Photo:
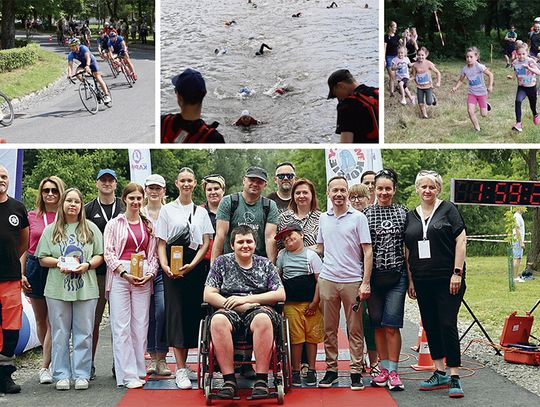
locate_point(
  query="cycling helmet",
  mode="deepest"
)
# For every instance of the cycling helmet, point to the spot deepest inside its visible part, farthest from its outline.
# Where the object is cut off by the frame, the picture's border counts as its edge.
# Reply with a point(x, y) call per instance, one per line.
point(74, 41)
point(106, 24)
point(112, 34)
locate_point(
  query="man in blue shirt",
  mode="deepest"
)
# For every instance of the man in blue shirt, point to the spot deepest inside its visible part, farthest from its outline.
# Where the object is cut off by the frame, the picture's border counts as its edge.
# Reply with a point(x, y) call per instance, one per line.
point(88, 63)
point(118, 46)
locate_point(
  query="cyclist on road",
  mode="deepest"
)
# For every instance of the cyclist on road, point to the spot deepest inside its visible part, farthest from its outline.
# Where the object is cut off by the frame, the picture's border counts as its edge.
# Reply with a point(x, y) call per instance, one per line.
point(88, 63)
point(118, 46)
point(103, 44)
point(85, 35)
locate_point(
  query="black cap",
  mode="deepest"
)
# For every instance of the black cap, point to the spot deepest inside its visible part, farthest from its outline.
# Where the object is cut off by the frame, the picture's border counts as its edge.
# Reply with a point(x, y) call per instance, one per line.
point(257, 172)
point(338, 76)
point(290, 227)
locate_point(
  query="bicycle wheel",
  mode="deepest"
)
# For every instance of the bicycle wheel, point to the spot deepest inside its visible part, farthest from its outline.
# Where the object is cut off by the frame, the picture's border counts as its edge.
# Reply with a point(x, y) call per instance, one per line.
point(7, 110)
point(127, 75)
point(88, 97)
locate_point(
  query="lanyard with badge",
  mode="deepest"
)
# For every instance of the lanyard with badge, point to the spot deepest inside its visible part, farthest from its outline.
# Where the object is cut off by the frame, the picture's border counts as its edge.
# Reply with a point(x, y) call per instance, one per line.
point(424, 251)
point(103, 210)
point(46, 221)
point(137, 244)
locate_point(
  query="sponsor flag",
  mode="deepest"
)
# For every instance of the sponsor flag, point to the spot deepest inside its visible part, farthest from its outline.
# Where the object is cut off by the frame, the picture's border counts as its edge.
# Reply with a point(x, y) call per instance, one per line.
point(140, 164)
point(12, 159)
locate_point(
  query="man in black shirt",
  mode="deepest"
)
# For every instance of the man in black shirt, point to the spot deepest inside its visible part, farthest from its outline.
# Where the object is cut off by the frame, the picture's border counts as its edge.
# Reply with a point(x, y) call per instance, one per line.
point(284, 179)
point(13, 243)
point(100, 211)
point(534, 40)
point(187, 126)
point(358, 115)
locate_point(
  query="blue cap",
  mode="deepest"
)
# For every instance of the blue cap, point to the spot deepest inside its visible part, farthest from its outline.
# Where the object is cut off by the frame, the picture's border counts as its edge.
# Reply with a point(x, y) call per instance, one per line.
point(104, 171)
point(190, 82)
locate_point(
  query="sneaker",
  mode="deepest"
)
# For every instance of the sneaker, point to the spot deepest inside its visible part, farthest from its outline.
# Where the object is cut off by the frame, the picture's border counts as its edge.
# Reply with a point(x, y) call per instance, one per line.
point(45, 376)
point(182, 379)
point(394, 381)
point(488, 107)
point(436, 381)
point(162, 369)
point(356, 381)
point(107, 99)
point(507, 66)
point(536, 120)
point(81, 384)
point(151, 368)
point(374, 370)
point(455, 388)
point(93, 373)
point(329, 379)
point(381, 379)
point(517, 127)
point(63, 384)
point(296, 379)
point(403, 101)
point(519, 280)
point(191, 374)
point(7, 385)
point(133, 384)
point(434, 101)
point(311, 378)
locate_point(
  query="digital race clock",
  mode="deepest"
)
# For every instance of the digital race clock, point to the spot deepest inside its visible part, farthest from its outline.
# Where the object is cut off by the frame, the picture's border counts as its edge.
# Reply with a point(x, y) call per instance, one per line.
point(494, 192)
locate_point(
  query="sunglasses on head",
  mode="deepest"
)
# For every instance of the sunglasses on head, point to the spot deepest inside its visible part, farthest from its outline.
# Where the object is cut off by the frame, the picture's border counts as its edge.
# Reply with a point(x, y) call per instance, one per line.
point(49, 190)
point(283, 176)
point(427, 172)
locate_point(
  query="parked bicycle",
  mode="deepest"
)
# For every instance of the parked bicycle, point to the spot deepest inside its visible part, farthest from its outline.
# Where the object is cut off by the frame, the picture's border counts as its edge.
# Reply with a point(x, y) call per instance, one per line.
point(6, 110)
point(90, 93)
point(121, 66)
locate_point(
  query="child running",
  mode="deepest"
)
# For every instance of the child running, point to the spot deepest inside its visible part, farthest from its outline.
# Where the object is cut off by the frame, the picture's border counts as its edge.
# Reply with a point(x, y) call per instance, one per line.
point(526, 70)
point(299, 268)
point(474, 71)
point(421, 71)
point(401, 64)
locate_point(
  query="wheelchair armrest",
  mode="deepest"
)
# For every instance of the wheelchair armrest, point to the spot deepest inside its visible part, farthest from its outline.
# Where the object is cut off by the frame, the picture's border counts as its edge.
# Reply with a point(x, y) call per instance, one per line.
point(207, 308)
point(279, 307)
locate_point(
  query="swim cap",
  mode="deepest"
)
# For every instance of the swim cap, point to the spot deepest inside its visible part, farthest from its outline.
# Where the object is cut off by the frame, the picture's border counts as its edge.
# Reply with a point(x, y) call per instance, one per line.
point(245, 113)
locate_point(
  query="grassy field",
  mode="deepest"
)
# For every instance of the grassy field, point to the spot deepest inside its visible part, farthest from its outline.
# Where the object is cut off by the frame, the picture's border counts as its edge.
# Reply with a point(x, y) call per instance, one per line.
point(449, 122)
point(490, 299)
point(23, 81)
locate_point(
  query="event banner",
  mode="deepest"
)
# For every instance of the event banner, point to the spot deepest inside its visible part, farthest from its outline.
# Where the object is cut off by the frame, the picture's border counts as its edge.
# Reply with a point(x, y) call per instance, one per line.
point(351, 163)
point(140, 164)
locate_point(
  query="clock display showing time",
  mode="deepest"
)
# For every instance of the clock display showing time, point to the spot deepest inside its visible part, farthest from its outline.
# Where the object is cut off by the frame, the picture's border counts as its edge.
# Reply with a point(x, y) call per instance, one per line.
point(494, 192)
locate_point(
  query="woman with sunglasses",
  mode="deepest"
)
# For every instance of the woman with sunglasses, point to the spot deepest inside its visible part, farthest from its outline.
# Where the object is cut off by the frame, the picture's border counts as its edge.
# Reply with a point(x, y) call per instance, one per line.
point(303, 209)
point(72, 248)
point(154, 188)
point(47, 201)
point(386, 302)
point(436, 241)
point(183, 290)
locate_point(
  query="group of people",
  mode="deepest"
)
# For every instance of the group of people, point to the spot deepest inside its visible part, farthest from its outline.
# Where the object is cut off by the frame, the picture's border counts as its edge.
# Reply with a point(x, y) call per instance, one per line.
point(357, 111)
point(241, 253)
point(523, 57)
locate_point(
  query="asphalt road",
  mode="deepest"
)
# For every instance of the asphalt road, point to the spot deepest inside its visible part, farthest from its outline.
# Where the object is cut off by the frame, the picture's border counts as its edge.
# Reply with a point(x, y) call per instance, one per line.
point(61, 118)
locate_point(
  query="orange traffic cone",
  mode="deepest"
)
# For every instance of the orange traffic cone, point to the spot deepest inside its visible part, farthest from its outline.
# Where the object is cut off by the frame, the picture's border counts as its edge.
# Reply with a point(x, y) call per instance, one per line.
point(425, 363)
point(420, 330)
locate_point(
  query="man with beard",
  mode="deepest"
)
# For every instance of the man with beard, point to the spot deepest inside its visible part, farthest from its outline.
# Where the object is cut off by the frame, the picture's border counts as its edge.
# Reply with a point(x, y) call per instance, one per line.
point(284, 179)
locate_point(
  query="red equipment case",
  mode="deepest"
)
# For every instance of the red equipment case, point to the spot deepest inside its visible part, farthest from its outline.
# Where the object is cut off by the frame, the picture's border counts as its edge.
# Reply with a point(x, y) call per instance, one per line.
point(515, 336)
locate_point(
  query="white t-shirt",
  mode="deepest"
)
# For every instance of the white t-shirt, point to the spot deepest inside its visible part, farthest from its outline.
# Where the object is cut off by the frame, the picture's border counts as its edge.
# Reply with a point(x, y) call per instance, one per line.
point(520, 225)
point(342, 238)
point(174, 216)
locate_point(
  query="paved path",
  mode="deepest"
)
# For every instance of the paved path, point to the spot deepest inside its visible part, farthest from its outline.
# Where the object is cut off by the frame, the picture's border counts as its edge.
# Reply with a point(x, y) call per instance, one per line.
point(61, 118)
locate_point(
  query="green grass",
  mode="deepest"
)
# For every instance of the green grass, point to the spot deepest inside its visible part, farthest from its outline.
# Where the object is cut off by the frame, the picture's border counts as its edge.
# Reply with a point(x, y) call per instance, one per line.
point(489, 297)
point(49, 67)
point(449, 122)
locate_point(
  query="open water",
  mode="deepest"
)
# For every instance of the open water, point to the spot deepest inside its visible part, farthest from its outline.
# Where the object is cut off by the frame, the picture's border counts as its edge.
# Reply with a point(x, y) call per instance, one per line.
point(305, 51)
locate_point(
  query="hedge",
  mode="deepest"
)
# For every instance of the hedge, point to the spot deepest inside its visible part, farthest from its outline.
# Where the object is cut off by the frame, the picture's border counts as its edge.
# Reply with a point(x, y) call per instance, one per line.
point(14, 58)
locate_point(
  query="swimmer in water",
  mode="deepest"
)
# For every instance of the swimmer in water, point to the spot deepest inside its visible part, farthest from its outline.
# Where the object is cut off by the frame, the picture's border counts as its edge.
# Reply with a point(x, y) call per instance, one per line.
point(261, 50)
point(246, 120)
point(229, 23)
point(219, 52)
point(297, 15)
point(334, 4)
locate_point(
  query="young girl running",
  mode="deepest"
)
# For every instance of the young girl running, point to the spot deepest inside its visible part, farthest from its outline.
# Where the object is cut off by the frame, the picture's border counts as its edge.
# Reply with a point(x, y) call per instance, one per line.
point(421, 71)
point(400, 65)
point(478, 93)
point(526, 70)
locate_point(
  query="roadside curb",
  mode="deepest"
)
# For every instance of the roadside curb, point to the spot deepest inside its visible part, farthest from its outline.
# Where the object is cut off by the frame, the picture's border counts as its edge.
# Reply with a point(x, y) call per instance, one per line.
point(53, 88)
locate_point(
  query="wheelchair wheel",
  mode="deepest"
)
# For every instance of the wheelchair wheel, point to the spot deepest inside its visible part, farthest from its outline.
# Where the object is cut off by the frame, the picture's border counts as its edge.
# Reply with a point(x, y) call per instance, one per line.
point(280, 394)
point(7, 110)
point(207, 395)
point(88, 97)
point(202, 366)
point(287, 378)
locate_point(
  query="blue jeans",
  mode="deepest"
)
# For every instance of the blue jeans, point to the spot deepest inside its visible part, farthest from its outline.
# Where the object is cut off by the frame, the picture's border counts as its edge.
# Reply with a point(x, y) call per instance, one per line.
point(386, 307)
point(156, 326)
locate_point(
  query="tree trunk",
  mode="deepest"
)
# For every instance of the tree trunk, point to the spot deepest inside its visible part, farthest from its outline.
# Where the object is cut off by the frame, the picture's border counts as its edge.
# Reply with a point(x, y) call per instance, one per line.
point(8, 24)
point(533, 258)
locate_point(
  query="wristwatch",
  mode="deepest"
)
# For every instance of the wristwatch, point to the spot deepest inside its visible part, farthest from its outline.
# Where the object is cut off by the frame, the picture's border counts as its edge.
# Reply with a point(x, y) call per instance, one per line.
point(122, 273)
point(458, 271)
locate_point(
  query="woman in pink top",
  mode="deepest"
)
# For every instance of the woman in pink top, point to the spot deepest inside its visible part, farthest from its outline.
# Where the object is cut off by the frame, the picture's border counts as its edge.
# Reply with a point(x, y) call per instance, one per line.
point(129, 296)
point(34, 276)
point(421, 71)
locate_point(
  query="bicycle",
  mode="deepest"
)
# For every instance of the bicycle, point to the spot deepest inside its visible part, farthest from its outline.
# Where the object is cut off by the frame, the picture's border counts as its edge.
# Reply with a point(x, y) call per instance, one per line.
point(90, 93)
point(105, 57)
point(124, 68)
point(6, 110)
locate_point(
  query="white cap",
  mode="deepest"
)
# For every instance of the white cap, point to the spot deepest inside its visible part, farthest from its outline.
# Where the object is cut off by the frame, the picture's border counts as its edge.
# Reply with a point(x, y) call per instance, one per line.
point(155, 179)
point(537, 20)
point(244, 113)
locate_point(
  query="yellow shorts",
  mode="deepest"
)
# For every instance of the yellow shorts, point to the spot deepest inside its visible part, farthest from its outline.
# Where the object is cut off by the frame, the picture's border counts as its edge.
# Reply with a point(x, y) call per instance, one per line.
point(303, 328)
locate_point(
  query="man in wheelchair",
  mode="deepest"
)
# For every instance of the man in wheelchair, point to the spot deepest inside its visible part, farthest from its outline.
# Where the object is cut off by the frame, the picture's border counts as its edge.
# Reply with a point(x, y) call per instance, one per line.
point(243, 287)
